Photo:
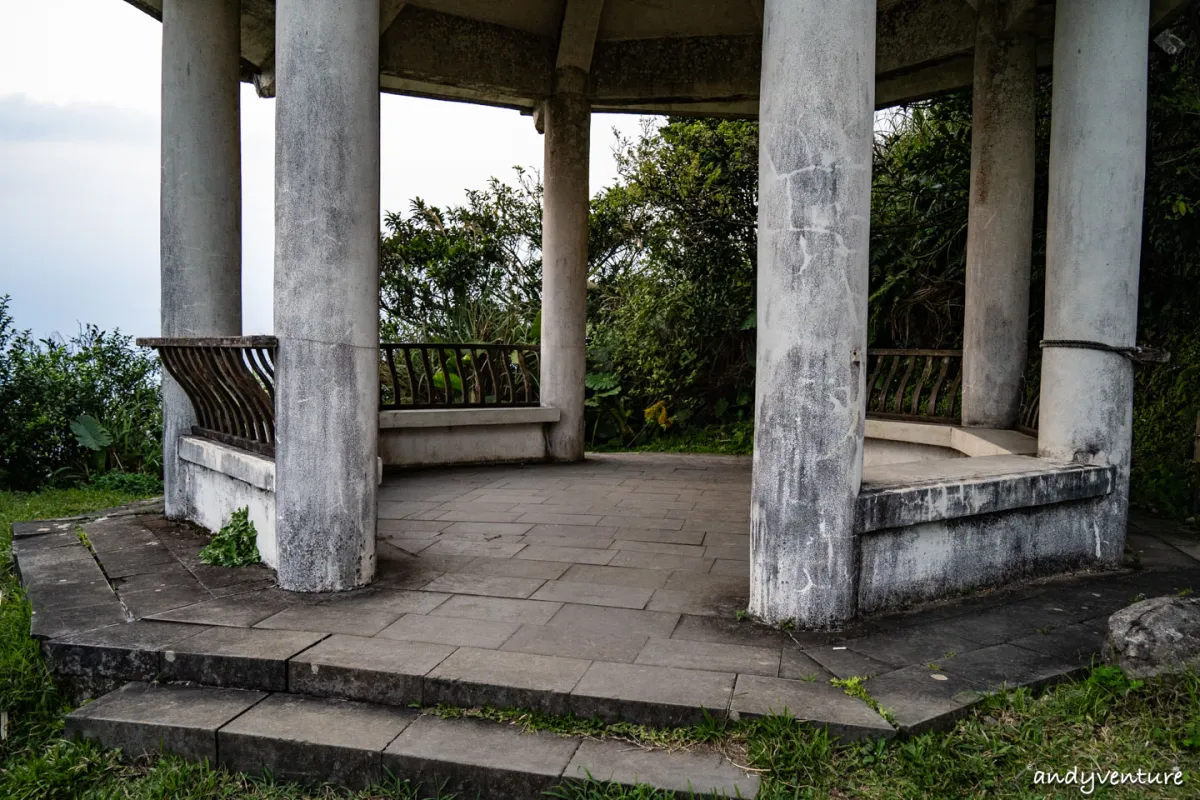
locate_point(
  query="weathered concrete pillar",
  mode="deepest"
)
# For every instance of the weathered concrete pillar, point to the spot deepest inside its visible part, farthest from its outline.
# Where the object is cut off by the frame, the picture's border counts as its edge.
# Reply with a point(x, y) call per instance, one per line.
point(567, 120)
point(1093, 242)
point(327, 291)
point(815, 117)
point(1000, 226)
point(201, 230)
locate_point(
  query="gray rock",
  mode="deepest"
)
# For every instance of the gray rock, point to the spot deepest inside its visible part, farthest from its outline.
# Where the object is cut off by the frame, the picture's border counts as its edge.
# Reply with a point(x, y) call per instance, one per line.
point(1155, 637)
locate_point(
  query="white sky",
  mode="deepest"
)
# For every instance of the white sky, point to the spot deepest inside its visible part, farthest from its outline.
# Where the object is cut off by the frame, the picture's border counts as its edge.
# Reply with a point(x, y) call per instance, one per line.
point(79, 169)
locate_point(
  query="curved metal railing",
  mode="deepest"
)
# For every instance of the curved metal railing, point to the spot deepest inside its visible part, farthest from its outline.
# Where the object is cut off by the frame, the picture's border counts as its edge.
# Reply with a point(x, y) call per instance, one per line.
point(231, 383)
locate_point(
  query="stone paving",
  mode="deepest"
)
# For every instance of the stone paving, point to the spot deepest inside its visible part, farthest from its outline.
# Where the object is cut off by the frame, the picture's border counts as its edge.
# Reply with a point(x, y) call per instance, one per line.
point(610, 588)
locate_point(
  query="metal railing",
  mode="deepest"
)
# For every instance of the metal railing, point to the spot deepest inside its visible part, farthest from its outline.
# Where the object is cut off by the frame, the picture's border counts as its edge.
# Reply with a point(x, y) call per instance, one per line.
point(231, 383)
point(923, 385)
point(458, 375)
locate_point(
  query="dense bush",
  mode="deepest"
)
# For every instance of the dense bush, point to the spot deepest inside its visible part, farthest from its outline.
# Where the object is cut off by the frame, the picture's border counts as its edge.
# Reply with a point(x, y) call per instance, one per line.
point(47, 385)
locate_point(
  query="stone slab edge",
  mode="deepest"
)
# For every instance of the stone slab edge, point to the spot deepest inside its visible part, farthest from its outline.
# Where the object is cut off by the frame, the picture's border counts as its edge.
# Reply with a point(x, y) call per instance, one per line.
point(900, 507)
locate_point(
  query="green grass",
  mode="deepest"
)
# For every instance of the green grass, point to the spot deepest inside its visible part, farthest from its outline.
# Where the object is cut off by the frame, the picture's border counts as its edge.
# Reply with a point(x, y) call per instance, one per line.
point(1100, 723)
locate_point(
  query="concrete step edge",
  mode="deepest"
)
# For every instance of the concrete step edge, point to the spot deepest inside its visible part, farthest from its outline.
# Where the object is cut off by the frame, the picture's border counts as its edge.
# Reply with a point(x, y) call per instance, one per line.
point(313, 739)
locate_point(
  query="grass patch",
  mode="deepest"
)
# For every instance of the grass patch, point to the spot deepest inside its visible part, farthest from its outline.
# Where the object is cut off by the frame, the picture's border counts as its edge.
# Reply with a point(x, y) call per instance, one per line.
point(731, 438)
point(1103, 722)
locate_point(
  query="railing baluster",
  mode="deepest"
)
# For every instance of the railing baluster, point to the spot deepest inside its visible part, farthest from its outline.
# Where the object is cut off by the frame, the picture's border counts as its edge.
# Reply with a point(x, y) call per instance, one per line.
point(886, 388)
point(920, 387)
point(909, 361)
point(412, 375)
point(931, 409)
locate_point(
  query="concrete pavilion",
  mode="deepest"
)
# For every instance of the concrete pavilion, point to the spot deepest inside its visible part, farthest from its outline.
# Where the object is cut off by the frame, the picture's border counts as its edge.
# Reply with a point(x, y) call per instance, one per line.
point(827, 543)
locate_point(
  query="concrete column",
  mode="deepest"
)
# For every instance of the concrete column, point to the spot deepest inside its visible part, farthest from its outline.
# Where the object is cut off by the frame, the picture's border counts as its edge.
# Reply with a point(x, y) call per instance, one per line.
point(1093, 242)
point(201, 197)
point(1000, 226)
point(816, 117)
point(567, 120)
point(327, 291)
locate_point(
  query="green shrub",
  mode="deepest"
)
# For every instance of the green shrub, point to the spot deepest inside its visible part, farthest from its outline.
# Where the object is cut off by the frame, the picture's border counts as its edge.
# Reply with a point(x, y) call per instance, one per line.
point(47, 386)
point(235, 545)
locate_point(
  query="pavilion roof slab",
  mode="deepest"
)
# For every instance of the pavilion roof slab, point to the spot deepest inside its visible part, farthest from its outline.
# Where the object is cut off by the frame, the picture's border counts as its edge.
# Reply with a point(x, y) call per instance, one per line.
point(699, 57)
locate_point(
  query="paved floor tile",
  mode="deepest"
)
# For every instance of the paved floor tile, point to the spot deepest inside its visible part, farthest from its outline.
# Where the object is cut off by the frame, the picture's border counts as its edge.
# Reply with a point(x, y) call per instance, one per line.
point(662, 561)
point(373, 670)
point(593, 594)
point(515, 568)
point(575, 644)
point(164, 598)
point(642, 523)
point(659, 536)
point(239, 611)
point(582, 532)
point(478, 759)
point(123, 563)
point(472, 677)
point(1001, 624)
point(795, 665)
point(709, 603)
point(731, 586)
point(488, 585)
point(488, 528)
point(459, 515)
point(816, 702)
point(921, 699)
point(361, 615)
point(738, 569)
point(691, 773)
point(454, 631)
point(548, 517)
point(616, 576)
point(614, 621)
point(143, 718)
point(576, 555)
point(521, 612)
point(658, 547)
point(1006, 665)
point(302, 738)
point(739, 541)
point(846, 663)
point(916, 645)
point(651, 695)
point(728, 553)
point(243, 658)
point(711, 656)
point(1079, 644)
point(728, 630)
point(411, 527)
point(493, 549)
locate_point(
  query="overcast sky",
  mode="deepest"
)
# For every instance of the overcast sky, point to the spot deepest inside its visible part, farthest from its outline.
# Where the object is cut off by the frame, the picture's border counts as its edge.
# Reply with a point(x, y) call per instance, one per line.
point(79, 169)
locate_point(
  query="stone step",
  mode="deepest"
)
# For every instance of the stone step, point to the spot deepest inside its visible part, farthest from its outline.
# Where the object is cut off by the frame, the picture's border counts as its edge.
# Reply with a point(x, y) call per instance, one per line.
point(319, 739)
point(404, 674)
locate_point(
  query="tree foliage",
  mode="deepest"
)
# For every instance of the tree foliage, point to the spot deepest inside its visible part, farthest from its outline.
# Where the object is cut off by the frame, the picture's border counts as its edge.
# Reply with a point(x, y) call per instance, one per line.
point(675, 325)
point(466, 273)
